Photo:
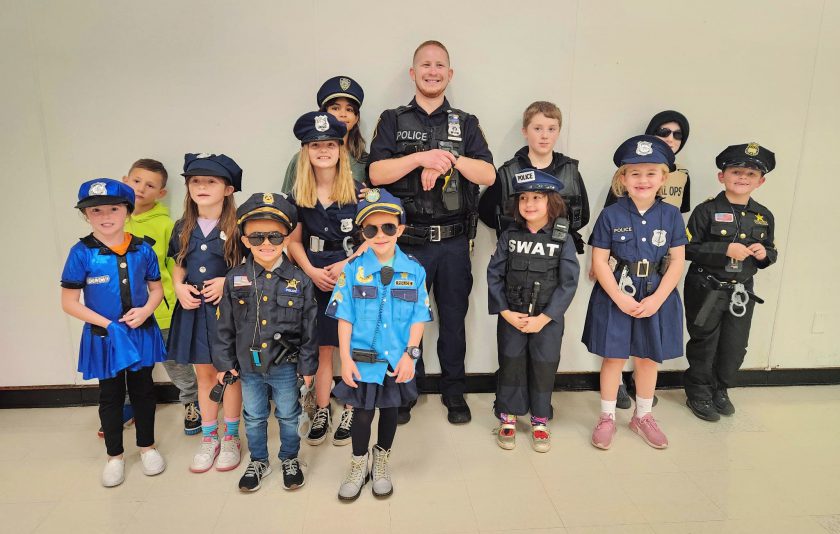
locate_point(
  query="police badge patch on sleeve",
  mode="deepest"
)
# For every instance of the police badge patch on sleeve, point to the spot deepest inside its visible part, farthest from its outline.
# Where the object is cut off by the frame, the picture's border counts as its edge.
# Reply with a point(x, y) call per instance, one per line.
point(658, 238)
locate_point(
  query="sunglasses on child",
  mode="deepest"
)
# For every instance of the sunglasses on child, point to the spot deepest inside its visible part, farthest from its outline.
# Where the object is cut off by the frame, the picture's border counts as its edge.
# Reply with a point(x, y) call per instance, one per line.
point(257, 238)
point(371, 230)
point(665, 132)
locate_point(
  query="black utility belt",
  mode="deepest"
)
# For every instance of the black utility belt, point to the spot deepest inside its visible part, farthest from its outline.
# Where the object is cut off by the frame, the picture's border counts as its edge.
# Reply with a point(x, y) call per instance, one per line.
point(639, 269)
point(433, 233)
point(261, 361)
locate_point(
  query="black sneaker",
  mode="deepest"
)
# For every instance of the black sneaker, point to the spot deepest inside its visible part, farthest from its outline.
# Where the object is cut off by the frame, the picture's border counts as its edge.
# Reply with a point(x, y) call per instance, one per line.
point(459, 411)
point(292, 474)
point(345, 423)
point(623, 399)
point(254, 473)
point(724, 406)
point(320, 426)
point(192, 419)
point(703, 409)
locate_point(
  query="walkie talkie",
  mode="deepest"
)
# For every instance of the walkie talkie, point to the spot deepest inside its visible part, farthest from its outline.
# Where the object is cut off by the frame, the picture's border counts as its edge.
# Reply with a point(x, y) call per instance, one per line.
point(218, 391)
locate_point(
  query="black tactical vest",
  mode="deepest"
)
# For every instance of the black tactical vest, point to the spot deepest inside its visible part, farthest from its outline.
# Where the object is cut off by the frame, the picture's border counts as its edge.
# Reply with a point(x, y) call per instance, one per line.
point(450, 199)
point(533, 258)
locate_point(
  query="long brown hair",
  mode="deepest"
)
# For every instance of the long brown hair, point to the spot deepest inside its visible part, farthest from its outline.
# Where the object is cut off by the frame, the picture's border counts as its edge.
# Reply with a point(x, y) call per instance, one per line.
point(227, 224)
point(356, 144)
point(556, 207)
point(306, 190)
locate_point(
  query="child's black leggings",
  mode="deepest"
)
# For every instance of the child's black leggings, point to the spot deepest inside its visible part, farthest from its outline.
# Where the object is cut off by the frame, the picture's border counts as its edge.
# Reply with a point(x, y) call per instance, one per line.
point(360, 431)
point(141, 390)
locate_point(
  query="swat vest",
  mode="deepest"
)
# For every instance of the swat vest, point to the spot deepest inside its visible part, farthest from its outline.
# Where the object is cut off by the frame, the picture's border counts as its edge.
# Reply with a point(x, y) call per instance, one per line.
point(571, 193)
point(533, 258)
point(451, 198)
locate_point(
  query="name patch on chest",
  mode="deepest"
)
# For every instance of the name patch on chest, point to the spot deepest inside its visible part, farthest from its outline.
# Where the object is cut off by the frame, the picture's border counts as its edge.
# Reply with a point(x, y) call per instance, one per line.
point(408, 283)
point(529, 247)
point(93, 280)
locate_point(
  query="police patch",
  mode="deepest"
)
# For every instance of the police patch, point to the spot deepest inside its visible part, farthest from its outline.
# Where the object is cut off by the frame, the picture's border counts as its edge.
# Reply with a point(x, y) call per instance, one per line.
point(93, 280)
point(342, 280)
point(344, 83)
point(658, 238)
point(525, 177)
point(361, 278)
point(644, 148)
point(372, 195)
point(346, 225)
point(321, 123)
point(97, 188)
point(241, 281)
point(752, 149)
point(454, 127)
point(268, 198)
point(724, 217)
point(759, 219)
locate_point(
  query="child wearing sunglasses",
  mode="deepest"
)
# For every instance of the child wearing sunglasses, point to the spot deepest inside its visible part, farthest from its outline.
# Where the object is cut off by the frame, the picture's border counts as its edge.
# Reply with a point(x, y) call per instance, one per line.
point(325, 195)
point(381, 303)
point(267, 335)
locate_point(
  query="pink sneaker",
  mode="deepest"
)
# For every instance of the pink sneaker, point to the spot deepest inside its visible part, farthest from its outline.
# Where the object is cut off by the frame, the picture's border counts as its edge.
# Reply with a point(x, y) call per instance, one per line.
point(604, 431)
point(647, 428)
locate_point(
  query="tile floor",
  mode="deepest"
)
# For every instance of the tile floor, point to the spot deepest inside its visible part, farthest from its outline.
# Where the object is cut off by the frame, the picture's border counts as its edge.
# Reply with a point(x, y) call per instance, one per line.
point(772, 468)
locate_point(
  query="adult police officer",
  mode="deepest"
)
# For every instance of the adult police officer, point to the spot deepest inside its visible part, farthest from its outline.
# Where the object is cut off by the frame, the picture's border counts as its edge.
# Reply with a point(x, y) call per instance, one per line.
point(433, 157)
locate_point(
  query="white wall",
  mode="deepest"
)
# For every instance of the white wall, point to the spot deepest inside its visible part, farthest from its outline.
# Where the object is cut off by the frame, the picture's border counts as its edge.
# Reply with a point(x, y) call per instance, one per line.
point(88, 87)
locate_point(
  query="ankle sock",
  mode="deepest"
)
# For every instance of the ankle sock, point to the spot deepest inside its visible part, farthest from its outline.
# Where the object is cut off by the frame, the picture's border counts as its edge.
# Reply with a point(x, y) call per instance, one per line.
point(232, 426)
point(507, 418)
point(539, 421)
point(608, 407)
point(643, 406)
point(210, 430)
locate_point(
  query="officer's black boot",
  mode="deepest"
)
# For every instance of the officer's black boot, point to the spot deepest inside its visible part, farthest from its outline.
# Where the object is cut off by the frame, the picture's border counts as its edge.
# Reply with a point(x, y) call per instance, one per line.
point(404, 413)
point(459, 411)
point(703, 409)
point(723, 406)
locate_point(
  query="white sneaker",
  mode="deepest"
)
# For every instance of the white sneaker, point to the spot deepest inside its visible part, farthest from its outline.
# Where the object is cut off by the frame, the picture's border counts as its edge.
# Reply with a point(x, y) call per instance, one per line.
point(153, 462)
point(114, 472)
point(382, 486)
point(230, 456)
point(206, 455)
point(355, 479)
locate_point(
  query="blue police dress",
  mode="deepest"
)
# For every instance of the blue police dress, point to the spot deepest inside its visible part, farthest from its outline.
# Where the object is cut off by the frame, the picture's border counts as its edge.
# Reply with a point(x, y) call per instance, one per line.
point(192, 332)
point(382, 317)
point(335, 227)
point(631, 237)
point(112, 285)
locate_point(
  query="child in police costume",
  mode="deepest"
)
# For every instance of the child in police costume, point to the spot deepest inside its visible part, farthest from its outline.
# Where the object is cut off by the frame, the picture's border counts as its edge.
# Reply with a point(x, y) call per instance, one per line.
point(325, 195)
point(205, 244)
point(150, 219)
point(341, 97)
point(119, 277)
point(541, 124)
point(730, 237)
point(531, 280)
point(381, 303)
point(634, 309)
point(266, 335)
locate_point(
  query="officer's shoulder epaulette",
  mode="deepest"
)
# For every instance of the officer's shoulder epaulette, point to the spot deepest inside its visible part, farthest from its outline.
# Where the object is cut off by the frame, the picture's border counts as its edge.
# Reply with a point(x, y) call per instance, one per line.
point(412, 258)
point(402, 109)
point(457, 111)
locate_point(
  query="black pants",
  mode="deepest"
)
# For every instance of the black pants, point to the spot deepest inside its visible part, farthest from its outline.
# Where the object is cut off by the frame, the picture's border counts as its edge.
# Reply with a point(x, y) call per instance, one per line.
point(141, 391)
point(717, 348)
point(449, 277)
point(527, 366)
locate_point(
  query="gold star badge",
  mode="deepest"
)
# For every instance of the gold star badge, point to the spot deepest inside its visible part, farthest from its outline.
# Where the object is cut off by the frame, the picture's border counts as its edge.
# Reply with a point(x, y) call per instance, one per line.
point(404, 275)
point(759, 219)
point(292, 284)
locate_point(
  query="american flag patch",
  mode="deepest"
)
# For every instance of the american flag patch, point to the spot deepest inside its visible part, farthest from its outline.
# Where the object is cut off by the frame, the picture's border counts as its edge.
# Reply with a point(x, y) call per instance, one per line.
point(724, 217)
point(241, 281)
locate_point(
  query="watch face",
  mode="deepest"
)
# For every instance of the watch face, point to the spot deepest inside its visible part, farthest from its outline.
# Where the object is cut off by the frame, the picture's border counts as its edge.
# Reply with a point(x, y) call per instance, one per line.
point(414, 352)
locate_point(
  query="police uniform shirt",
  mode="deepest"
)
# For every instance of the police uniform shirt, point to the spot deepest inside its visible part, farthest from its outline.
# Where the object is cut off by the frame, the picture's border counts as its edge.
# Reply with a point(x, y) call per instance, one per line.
point(716, 223)
point(381, 315)
point(333, 223)
point(287, 309)
point(205, 257)
point(568, 272)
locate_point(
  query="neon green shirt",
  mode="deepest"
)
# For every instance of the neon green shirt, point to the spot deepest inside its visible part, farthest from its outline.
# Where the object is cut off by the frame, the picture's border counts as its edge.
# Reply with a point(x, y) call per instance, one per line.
point(157, 225)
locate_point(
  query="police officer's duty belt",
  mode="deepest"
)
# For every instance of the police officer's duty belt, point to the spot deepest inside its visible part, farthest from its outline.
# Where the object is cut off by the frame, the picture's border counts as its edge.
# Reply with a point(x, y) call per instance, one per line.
point(639, 269)
point(419, 235)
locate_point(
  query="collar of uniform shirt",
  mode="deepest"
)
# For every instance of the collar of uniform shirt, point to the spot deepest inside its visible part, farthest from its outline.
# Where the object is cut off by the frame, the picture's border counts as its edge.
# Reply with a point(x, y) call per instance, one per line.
point(370, 263)
point(442, 109)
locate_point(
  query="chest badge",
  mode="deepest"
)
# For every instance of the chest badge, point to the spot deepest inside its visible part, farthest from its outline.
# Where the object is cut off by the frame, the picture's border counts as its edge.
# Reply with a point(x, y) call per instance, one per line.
point(759, 219)
point(454, 127)
point(223, 235)
point(292, 286)
point(361, 278)
point(346, 225)
point(659, 237)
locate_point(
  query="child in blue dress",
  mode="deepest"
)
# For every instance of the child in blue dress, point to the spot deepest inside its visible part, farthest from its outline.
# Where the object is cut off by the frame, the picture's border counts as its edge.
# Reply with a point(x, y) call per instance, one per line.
point(205, 244)
point(634, 309)
point(118, 275)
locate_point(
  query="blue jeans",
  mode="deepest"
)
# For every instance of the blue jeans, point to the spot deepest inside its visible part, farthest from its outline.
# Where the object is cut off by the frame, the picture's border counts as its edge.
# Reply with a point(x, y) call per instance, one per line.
point(279, 385)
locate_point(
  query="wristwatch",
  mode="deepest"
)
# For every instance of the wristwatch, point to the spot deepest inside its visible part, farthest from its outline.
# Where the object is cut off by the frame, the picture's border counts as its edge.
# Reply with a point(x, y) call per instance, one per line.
point(413, 352)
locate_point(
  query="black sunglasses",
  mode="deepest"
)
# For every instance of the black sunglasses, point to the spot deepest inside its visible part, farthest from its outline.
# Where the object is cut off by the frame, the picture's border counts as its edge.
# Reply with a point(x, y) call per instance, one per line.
point(371, 230)
point(665, 132)
point(257, 238)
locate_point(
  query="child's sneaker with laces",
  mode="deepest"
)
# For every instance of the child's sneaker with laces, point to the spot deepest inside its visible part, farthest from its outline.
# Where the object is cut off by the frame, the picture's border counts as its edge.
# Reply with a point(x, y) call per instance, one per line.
point(192, 419)
point(647, 428)
point(230, 455)
point(540, 438)
point(345, 423)
point(206, 455)
point(604, 431)
point(254, 473)
point(506, 432)
point(292, 473)
point(381, 476)
point(321, 423)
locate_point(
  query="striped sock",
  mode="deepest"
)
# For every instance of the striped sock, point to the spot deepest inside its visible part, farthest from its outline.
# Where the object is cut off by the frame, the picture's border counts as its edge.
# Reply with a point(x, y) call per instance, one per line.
point(210, 430)
point(539, 421)
point(232, 426)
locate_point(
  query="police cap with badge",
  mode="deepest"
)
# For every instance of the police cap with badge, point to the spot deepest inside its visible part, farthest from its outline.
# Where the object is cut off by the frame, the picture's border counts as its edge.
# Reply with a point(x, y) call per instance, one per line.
point(535, 180)
point(379, 201)
point(272, 206)
point(751, 155)
point(340, 87)
point(319, 126)
point(105, 191)
point(644, 149)
point(221, 166)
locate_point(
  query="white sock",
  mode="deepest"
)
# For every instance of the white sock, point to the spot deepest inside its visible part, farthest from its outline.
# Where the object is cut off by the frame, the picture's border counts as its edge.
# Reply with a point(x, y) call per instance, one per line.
point(608, 407)
point(643, 406)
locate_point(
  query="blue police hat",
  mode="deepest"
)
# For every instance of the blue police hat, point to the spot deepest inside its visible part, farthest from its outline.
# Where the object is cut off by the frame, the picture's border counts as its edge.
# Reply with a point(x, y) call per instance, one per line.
point(103, 191)
point(644, 149)
point(319, 126)
point(213, 165)
point(750, 155)
point(535, 180)
point(274, 206)
point(379, 201)
point(340, 87)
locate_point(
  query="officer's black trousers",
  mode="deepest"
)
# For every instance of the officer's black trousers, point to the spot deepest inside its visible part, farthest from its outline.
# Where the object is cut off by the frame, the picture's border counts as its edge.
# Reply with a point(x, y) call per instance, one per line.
point(449, 277)
point(716, 349)
point(527, 365)
point(141, 391)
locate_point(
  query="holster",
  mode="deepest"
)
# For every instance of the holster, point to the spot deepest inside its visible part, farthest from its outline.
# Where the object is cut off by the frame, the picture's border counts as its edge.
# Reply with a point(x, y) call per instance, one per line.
point(365, 356)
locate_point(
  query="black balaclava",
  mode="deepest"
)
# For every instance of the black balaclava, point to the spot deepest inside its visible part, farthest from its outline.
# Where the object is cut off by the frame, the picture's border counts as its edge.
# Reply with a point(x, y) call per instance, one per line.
point(669, 116)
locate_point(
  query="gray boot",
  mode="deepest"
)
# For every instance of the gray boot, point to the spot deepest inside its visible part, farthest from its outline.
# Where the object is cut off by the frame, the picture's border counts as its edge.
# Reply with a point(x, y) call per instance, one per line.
point(355, 478)
point(382, 486)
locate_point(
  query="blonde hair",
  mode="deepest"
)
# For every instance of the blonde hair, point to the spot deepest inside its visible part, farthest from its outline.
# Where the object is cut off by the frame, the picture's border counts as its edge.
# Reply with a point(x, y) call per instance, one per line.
point(305, 189)
point(618, 188)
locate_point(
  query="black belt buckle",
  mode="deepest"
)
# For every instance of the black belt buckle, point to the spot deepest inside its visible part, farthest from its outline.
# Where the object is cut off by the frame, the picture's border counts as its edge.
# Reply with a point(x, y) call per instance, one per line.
point(434, 234)
point(642, 268)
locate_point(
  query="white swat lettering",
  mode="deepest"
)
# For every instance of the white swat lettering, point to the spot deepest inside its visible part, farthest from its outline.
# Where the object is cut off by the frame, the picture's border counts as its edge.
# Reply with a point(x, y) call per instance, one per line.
point(552, 248)
point(529, 247)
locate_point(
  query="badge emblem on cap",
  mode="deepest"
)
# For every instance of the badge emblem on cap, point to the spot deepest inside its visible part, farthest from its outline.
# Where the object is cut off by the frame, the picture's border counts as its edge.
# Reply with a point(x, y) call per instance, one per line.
point(751, 150)
point(98, 188)
point(525, 177)
point(346, 225)
point(658, 237)
point(644, 148)
point(268, 198)
point(344, 83)
point(321, 123)
point(203, 155)
point(372, 195)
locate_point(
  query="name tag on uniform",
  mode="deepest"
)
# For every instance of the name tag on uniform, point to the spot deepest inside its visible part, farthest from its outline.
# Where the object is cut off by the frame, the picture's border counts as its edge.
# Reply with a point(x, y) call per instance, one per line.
point(241, 281)
point(408, 283)
point(724, 217)
point(93, 280)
